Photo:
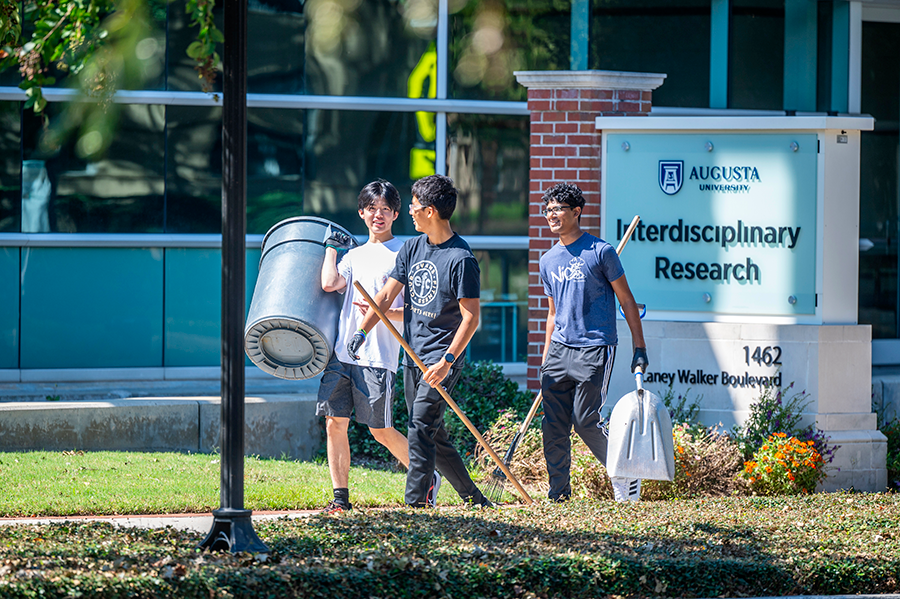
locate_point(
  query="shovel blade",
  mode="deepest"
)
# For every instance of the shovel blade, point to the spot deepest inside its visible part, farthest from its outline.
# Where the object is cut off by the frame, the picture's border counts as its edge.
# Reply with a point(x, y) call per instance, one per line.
point(640, 438)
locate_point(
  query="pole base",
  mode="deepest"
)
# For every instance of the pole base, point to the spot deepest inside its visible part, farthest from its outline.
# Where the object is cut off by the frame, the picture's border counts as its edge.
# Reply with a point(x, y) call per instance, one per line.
point(232, 530)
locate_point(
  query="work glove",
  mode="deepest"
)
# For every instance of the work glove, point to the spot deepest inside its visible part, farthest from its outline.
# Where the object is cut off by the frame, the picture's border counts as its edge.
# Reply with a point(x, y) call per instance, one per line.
point(640, 359)
point(339, 240)
point(355, 342)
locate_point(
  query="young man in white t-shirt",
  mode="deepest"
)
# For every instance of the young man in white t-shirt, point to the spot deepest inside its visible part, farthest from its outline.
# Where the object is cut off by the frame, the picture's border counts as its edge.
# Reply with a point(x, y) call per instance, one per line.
point(366, 385)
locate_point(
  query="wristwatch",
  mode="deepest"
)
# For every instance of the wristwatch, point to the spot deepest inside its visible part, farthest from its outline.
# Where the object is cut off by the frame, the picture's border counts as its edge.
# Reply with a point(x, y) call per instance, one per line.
point(450, 358)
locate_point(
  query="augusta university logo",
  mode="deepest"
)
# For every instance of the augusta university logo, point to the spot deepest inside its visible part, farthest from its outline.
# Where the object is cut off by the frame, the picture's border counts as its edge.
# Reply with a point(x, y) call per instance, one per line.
point(671, 176)
point(423, 282)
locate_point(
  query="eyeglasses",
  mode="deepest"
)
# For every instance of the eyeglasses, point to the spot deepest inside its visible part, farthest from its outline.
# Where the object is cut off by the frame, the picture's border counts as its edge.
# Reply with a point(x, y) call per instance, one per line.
point(554, 210)
point(413, 209)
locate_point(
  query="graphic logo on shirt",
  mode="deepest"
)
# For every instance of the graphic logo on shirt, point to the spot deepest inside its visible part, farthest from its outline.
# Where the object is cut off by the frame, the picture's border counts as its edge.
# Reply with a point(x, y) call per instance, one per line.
point(423, 282)
point(671, 176)
point(571, 272)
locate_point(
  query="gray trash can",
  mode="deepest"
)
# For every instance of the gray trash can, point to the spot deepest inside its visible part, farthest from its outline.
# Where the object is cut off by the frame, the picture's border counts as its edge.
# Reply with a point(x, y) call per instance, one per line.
point(292, 324)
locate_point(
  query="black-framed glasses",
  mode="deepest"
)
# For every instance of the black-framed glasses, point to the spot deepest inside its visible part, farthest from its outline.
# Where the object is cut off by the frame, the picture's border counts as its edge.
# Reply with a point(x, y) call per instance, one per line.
point(555, 210)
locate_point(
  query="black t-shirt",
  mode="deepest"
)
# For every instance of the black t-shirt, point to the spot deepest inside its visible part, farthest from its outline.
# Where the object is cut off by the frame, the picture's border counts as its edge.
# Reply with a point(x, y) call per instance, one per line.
point(436, 278)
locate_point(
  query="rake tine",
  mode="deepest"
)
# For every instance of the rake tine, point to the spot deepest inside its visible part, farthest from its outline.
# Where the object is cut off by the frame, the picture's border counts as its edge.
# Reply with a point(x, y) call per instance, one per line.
point(498, 477)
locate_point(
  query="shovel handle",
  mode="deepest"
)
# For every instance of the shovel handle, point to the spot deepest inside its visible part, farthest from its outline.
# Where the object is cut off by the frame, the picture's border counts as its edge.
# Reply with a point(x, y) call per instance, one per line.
point(628, 232)
point(453, 405)
point(639, 377)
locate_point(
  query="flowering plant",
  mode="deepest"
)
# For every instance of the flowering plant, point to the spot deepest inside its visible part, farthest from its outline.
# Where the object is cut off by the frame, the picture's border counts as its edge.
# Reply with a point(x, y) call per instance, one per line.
point(780, 411)
point(785, 466)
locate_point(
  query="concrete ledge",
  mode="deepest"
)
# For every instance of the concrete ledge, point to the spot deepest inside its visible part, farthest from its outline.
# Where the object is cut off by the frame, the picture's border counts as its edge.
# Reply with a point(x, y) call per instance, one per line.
point(275, 426)
point(859, 463)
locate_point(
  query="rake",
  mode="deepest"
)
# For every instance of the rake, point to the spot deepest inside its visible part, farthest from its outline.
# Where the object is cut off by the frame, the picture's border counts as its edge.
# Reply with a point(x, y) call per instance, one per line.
point(453, 405)
point(498, 479)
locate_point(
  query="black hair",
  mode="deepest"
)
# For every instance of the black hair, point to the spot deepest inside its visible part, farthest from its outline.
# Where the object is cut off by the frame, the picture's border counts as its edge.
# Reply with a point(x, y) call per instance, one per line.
point(438, 192)
point(379, 189)
point(564, 193)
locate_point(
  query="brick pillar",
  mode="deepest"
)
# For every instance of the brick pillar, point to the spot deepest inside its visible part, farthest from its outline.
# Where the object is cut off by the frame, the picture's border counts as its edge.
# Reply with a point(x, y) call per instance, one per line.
point(565, 147)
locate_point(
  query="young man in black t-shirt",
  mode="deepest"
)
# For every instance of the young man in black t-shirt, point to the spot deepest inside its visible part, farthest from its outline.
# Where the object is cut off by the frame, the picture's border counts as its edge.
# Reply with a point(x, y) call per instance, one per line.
point(442, 282)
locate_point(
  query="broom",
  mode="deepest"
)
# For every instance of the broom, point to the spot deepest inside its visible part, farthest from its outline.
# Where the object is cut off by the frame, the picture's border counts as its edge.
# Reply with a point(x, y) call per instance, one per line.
point(498, 479)
point(453, 405)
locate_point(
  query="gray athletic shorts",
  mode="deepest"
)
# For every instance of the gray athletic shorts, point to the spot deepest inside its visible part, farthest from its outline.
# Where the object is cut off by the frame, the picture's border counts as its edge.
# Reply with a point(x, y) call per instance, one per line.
point(365, 390)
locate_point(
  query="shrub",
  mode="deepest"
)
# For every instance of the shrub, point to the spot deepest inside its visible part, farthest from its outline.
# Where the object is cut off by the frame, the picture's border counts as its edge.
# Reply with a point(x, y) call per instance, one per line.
point(892, 432)
point(483, 393)
point(706, 464)
point(784, 466)
point(681, 409)
point(780, 412)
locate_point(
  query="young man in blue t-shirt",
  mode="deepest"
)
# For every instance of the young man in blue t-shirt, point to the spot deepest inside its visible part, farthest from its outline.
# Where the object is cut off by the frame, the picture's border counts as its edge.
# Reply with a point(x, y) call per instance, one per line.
point(582, 278)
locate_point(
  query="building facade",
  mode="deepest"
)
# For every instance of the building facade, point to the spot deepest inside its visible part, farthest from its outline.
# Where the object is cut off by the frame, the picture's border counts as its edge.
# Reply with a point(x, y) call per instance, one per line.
point(110, 268)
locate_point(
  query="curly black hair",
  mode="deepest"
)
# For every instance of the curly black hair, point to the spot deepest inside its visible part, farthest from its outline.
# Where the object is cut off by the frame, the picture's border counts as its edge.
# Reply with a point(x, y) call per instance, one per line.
point(564, 193)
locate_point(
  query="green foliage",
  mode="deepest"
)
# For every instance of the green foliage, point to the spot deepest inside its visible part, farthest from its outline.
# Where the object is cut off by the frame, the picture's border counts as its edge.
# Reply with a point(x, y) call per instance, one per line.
point(203, 49)
point(826, 544)
point(682, 409)
point(775, 411)
point(780, 411)
point(483, 393)
point(105, 45)
point(784, 466)
point(892, 432)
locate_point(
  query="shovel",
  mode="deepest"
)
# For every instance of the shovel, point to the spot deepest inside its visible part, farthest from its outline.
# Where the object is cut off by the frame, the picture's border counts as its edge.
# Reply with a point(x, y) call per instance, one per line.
point(640, 436)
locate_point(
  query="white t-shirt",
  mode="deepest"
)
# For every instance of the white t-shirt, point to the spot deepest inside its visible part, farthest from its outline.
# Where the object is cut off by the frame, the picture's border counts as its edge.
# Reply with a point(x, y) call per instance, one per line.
point(370, 264)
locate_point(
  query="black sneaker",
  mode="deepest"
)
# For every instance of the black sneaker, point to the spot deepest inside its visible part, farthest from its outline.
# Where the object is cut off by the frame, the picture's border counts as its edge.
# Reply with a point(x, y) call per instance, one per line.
point(484, 504)
point(334, 507)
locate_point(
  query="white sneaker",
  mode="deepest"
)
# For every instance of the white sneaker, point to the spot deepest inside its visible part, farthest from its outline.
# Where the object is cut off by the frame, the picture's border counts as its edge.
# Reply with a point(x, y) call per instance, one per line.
point(431, 498)
point(626, 489)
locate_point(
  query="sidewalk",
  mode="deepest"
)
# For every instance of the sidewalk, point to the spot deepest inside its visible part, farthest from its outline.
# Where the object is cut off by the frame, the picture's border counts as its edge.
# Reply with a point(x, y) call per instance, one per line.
point(197, 522)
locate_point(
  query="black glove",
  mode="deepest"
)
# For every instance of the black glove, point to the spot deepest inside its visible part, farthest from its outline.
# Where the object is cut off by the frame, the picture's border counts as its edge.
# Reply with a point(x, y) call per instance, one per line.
point(339, 240)
point(640, 359)
point(355, 342)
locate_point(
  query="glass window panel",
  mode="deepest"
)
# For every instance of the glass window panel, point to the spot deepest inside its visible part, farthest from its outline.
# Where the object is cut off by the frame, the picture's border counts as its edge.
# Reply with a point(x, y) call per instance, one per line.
point(10, 166)
point(674, 39)
point(275, 46)
point(502, 333)
point(371, 48)
point(194, 169)
point(274, 166)
point(347, 149)
point(880, 180)
point(756, 67)
point(120, 193)
point(487, 158)
point(490, 40)
point(194, 176)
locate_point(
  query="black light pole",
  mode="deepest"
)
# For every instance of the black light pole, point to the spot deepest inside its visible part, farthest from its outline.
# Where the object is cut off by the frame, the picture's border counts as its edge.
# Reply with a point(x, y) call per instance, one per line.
point(232, 527)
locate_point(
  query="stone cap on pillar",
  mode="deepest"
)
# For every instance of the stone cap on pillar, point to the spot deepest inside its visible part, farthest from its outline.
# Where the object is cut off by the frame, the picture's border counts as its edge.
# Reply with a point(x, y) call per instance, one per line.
point(611, 80)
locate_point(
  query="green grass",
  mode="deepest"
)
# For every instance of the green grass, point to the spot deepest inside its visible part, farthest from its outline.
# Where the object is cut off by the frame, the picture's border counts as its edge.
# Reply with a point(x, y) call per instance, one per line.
point(839, 543)
point(83, 483)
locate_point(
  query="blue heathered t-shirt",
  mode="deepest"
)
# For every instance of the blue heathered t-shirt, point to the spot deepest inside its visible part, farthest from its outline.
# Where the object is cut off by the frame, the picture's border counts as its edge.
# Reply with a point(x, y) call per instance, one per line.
point(577, 277)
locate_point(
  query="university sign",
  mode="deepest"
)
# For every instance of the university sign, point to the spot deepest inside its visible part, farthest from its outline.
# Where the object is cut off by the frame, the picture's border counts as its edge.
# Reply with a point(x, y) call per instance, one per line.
point(728, 220)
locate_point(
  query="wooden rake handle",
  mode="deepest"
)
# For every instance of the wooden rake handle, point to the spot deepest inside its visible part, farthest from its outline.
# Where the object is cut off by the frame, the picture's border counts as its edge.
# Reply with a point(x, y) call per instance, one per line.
point(534, 408)
point(628, 232)
point(453, 405)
